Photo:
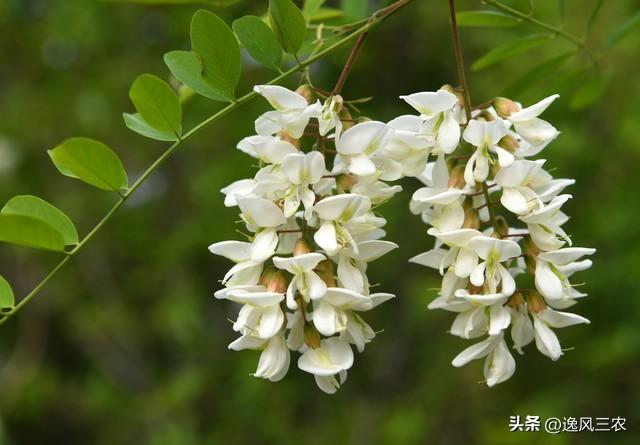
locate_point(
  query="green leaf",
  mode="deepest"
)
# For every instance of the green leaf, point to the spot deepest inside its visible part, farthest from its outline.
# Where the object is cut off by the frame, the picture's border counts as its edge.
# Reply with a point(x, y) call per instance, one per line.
point(7, 299)
point(311, 7)
point(157, 105)
point(259, 41)
point(355, 9)
point(30, 232)
point(136, 123)
point(186, 66)
point(623, 30)
point(594, 15)
point(288, 24)
point(34, 207)
point(486, 18)
point(510, 49)
point(90, 161)
point(590, 92)
point(537, 74)
point(324, 14)
point(219, 52)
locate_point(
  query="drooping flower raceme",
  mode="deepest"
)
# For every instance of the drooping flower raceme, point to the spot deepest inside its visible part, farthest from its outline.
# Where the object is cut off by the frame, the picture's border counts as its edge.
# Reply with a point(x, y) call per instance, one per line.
point(301, 276)
point(505, 273)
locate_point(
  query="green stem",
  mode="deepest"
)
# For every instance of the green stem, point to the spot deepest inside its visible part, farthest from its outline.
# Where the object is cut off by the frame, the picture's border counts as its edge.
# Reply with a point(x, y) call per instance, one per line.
point(553, 29)
point(375, 20)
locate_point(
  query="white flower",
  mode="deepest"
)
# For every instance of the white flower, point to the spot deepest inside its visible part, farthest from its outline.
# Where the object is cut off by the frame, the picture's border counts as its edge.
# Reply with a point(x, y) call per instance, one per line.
point(330, 312)
point(262, 321)
point(301, 170)
point(485, 137)
point(544, 224)
point(305, 281)
point(499, 364)
point(462, 255)
point(550, 281)
point(242, 188)
point(499, 316)
point(274, 359)
point(335, 212)
point(438, 110)
point(352, 263)
point(269, 149)
point(332, 357)
point(518, 182)
point(359, 143)
point(533, 129)
point(409, 144)
point(546, 340)
point(291, 115)
point(491, 271)
point(522, 332)
point(246, 271)
point(329, 117)
point(440, 204)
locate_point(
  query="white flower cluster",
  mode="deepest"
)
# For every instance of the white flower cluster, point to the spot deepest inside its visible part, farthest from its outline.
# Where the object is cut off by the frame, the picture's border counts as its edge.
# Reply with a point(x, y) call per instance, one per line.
point(301, 277)
point(480, 255)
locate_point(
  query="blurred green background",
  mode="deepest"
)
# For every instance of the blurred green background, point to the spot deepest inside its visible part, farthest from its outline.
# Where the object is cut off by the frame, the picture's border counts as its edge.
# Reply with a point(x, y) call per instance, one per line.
point(127, 344)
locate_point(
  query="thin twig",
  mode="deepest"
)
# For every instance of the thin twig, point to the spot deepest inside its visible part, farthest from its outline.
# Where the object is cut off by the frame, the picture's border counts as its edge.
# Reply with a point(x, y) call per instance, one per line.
point(459, 60)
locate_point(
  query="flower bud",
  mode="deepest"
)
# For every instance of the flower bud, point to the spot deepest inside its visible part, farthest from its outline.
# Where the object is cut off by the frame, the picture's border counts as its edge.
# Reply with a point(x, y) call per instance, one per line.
point(346, 181)
point(486, 116)
point(324, 269)
point(337, 103)
point(515, 300)
point(509, 143)
point(501, 225)
point(456, 177)
point(471, 217)
point(266, 275)
point(311, 336)
point(535, 302)
point(505, 107)
point(277, 282)
point(301, 247)
point(306, 92)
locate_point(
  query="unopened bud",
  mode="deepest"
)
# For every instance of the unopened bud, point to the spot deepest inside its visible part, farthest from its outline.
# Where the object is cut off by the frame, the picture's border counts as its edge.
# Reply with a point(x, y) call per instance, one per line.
point(266, 275)
point(535, 302)
point(515, 300)
point(301, 247)
point(501, 225)
point(306, 92)
point(505, 107)
point(346, 181)
point(337, 103)
point(311, 336)
point(324, 269)
point(471, 217)
point(474, 290)
point(486, 116)
point(456, 177)
point(277, 282)
point(509, 143)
